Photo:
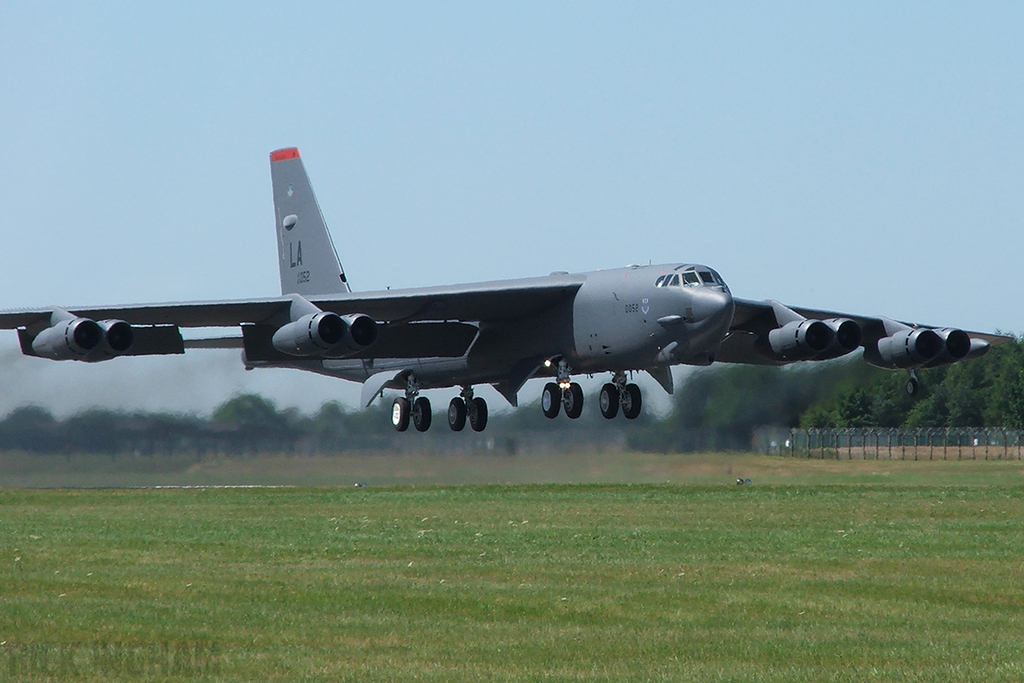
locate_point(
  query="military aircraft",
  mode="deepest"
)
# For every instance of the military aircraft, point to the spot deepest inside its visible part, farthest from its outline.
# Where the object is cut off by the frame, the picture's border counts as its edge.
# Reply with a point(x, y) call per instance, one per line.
point(620, 321)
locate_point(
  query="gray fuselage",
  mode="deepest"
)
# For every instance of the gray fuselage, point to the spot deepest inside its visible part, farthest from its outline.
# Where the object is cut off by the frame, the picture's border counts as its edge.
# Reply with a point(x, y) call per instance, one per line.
point(633, 318)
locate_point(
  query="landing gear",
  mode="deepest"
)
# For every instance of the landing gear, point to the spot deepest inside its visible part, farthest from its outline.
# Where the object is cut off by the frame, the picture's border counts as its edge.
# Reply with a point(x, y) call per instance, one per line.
point(608, 400)
point(617, 394)
point(913, 384)
point(467, 406)
point(421, 415)
point(551, 400)
point(416, 409)
point(411, 407)
point(572, 400)
point(400, 414)
point(631, 402)
point(562, 393)
point(457, 414)
point(477, 414)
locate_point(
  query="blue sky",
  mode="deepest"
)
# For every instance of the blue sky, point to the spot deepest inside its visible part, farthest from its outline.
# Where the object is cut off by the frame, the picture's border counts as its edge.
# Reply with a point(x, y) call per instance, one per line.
point(864, 157)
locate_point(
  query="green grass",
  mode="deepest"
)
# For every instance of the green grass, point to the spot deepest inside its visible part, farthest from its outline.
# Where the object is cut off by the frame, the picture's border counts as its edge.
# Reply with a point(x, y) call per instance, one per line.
point(21, 470)
point(811, 582)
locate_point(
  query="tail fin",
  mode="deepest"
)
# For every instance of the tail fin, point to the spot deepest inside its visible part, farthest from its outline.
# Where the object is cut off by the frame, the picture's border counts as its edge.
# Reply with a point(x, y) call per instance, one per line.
point(309, 263)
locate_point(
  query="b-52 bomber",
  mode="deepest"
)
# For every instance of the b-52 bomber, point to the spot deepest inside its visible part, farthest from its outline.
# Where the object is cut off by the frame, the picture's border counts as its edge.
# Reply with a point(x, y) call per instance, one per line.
point(502, 333)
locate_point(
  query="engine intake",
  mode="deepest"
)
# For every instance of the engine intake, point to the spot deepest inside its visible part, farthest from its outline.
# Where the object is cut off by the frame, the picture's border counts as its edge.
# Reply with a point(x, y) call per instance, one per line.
point(847, 338)
point(118, 336)
point(800, 339)
point(362, 329)
point(956, 345)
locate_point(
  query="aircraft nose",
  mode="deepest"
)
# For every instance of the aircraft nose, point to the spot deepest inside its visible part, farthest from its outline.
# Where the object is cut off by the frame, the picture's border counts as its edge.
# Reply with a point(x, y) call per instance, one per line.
point(710, 305)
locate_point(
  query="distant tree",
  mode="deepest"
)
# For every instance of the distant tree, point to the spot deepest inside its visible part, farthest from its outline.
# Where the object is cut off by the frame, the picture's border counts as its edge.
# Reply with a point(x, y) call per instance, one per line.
point(96, 430)
point(30, 428)
point(258, 425)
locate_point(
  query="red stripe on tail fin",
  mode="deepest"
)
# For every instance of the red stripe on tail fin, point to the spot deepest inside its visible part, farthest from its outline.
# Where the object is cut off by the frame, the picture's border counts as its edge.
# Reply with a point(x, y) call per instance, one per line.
point(284, 154)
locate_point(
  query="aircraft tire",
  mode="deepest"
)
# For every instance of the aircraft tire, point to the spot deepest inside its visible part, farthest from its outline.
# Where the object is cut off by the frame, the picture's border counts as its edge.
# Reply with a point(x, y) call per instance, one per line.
point(478, 414)
point(913, 386)
point(608, 401)
point(400, 414)
point(572, 399)
point(551, 400)
point(421, 414)
point(631, 402)
point(457, 414)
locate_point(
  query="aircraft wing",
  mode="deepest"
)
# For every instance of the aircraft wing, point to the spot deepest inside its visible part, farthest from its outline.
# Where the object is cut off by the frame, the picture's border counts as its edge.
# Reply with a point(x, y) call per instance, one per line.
point(414, 322)
point(754, 319)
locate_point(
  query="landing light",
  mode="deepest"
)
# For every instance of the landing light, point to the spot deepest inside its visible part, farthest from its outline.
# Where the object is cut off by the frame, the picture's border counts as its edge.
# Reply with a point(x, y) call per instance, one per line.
point(548, 363)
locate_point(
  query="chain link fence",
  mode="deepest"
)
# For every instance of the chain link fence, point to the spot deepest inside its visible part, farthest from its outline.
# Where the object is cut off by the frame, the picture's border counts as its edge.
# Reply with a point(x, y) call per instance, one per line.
point(900, 444)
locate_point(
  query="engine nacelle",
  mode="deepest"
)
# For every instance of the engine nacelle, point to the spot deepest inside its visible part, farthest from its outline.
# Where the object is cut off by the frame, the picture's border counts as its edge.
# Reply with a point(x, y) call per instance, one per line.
point(847, 338)
point(326, 334)
point(910, 348)
point(801, 339)
point(956, 345)
point(72, 339)
point(311, 335)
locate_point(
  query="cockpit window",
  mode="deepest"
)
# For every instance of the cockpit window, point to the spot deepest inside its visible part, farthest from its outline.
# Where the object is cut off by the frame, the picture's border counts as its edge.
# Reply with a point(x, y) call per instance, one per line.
point(691, 277)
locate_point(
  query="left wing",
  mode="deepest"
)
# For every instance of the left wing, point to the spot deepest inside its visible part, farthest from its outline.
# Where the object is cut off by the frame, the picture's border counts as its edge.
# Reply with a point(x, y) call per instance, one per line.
point(887, 343)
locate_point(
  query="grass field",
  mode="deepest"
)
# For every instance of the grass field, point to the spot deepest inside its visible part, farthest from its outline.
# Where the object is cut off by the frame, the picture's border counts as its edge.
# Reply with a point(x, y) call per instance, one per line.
point(22, 470)
point(801, 579)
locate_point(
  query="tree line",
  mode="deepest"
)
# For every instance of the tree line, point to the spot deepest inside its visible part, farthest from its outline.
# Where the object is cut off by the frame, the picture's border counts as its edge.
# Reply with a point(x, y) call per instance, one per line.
point(719, 407)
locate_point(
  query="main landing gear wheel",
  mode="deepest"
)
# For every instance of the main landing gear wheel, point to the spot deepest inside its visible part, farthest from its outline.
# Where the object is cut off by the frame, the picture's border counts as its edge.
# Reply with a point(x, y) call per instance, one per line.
point(608, 400)
point(457, 414)
point(631, 401)
point(477, 414)
point(421, 415)
point(551, 400)
point(572, 399)
point(400, 414)
point(913, 386)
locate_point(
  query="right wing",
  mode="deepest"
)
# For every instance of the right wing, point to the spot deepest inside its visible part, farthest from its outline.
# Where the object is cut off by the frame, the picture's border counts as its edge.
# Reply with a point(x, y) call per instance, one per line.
point(412, 323)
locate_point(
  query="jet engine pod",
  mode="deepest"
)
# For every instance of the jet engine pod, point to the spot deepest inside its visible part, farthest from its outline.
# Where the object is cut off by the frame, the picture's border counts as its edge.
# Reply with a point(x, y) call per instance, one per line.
point(326, 334)
point(847, 338)
point(801, 339)
point(311, 335)
point(910, 348)
point(69, 339)
point(956, 345)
